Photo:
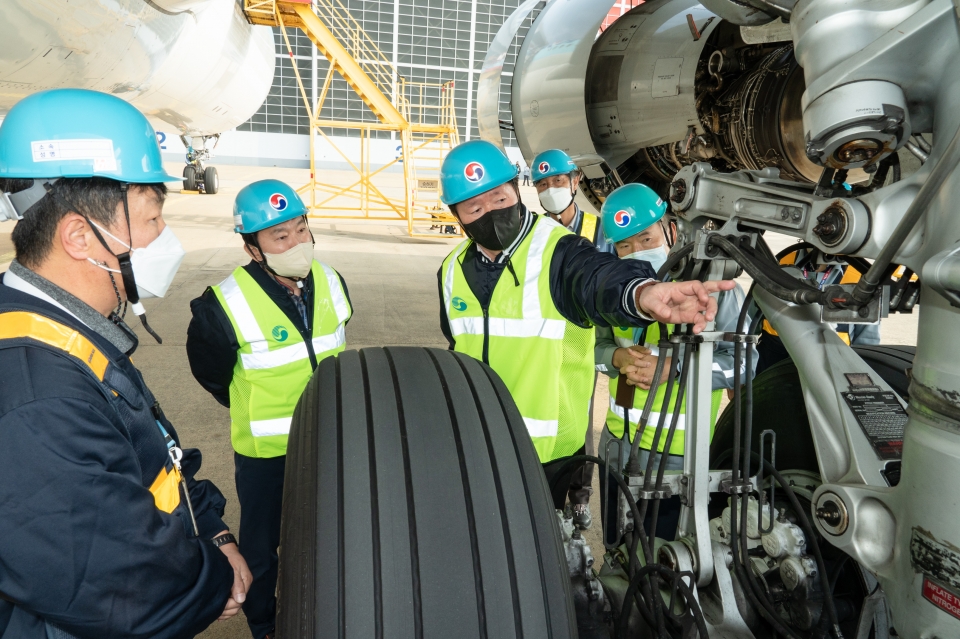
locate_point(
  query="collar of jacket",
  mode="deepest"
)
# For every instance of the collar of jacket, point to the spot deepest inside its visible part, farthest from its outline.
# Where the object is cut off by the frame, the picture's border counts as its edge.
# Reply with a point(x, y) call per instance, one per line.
point(526, 224)
point(119, 334)
point(576, 222)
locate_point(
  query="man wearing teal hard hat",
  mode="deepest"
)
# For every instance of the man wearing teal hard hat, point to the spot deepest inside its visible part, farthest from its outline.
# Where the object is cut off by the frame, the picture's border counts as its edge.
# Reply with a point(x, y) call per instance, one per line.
point(557, 179)
point(104, 530)
point(523, 294)
point(634, 221)
point(253, 343)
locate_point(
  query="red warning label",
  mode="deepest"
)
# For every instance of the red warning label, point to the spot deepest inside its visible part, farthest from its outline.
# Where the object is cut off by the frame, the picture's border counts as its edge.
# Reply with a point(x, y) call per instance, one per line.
point(941, 597)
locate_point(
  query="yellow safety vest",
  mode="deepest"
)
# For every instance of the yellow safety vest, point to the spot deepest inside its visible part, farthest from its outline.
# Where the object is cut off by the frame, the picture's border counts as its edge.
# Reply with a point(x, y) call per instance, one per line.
point(588, 228)
point(545, 361)
point(624, 339)
point(273, 365)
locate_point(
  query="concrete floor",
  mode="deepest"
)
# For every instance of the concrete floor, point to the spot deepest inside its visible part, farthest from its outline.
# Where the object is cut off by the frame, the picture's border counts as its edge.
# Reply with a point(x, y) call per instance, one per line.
point(392, 282)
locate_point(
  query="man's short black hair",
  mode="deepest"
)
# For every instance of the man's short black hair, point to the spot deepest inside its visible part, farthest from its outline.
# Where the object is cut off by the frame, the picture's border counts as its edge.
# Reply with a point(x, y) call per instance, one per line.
point(96, 198)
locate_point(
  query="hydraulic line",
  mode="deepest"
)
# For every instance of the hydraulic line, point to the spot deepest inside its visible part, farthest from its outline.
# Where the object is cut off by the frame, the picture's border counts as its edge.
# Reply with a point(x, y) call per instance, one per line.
point(658, 486)
point(757, 599)
point(638, 528)
point(666, 348)
point(775, 281)
point(678, 583)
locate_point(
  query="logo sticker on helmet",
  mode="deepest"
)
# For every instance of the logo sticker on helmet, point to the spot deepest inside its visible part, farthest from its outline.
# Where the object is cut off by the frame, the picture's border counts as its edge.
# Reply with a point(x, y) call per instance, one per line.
point(621, 218)
point(458, 304)
point(473, 172)
point(543, 167)
point(278, 202)
point(280, 333)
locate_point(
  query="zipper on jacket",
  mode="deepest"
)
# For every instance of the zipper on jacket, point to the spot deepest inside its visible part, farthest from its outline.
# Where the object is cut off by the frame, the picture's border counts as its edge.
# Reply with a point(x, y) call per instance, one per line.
point(308, 340)
point(486, 336)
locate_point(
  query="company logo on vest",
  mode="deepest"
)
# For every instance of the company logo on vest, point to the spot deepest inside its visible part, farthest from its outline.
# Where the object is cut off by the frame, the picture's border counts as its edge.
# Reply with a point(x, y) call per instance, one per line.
point(280, 333)
point(459, 304)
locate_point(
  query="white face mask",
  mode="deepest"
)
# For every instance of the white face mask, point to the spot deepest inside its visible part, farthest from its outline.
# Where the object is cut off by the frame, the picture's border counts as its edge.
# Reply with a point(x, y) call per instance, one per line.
point(294, 262)
point(154, 265)
point(556, 200)
point(656, 256)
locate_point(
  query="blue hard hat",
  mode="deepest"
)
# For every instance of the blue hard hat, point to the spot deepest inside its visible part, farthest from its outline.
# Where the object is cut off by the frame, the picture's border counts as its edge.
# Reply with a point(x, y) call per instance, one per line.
point(266, 203)
point(552, 162)
point(630, 209)
point(75, 133)
point(473, 168)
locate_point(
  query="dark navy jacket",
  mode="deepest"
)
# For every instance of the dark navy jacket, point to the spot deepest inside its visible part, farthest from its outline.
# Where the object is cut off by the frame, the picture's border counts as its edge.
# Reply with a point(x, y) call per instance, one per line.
point(84, 549)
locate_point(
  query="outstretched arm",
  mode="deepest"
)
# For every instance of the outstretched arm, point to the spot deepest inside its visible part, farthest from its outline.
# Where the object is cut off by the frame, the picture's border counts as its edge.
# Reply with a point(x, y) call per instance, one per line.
point(593, 288)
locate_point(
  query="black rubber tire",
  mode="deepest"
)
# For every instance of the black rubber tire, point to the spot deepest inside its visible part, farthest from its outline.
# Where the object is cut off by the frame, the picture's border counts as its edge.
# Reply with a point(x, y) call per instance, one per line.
point(211, 181)
point(415, 506)
point(189, 178)
point(778, 405)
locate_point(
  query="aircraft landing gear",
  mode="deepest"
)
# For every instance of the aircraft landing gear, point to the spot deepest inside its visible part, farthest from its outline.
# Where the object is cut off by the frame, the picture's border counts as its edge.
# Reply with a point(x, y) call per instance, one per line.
point(196, 177)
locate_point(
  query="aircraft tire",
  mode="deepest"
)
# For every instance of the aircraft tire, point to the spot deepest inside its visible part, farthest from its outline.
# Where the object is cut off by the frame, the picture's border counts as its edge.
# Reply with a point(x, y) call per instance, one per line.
point(211, 181)
point(189, 178)
point(415, 506)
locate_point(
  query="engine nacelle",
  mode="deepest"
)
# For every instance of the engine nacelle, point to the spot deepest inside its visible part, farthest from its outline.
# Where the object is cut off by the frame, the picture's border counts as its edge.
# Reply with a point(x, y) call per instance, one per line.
point(668, 84)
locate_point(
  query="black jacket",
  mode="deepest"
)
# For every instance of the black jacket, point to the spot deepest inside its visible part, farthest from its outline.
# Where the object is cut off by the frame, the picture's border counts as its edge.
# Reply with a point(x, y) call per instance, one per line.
point(212, 343)
point(83, 546)
point(589, 288)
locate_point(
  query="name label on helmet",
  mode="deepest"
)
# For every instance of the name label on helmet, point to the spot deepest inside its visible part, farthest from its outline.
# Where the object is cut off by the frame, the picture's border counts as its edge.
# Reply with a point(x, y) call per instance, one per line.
point(99, 151)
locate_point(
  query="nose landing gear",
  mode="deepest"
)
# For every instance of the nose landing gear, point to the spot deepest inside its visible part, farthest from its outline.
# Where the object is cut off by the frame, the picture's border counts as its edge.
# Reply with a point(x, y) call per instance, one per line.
point(196, 177)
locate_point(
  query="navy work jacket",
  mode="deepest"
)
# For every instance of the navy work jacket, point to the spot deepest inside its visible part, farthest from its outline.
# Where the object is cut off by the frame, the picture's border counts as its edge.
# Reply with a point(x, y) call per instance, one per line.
point(85, 549)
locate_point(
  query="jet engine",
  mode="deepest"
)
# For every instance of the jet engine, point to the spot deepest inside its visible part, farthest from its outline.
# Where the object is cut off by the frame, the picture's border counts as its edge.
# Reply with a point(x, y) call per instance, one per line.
point(668, 84)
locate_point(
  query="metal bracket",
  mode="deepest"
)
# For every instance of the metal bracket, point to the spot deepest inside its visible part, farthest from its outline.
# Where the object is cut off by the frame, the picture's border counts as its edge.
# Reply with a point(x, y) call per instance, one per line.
point(743, 339)
point(728, 486)
point(878, 308)
point(666, 493)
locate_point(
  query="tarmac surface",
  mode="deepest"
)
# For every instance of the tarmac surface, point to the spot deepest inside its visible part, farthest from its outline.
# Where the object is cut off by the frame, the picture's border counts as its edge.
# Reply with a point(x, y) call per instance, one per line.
point(392, 284)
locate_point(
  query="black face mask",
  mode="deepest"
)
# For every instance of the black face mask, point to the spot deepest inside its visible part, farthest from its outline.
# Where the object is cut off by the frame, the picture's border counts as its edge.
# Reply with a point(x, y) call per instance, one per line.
point(497, 229)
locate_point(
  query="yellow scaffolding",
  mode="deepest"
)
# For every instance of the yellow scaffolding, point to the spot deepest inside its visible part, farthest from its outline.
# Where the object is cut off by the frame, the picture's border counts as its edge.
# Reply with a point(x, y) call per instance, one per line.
point(422, 116)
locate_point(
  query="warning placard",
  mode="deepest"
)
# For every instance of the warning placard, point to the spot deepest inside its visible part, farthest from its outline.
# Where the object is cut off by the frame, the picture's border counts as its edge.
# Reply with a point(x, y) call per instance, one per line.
point(941, 597)
point(882, 419)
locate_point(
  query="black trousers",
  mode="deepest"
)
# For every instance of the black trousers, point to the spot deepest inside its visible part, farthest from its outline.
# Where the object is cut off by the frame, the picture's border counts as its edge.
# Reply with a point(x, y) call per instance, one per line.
point(573, 482)
point(260, 492)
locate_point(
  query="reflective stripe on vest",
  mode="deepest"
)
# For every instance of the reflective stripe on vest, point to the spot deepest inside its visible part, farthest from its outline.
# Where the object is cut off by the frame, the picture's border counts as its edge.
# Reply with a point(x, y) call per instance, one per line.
point(615, 414)
point(274, 366)
point(545, 361)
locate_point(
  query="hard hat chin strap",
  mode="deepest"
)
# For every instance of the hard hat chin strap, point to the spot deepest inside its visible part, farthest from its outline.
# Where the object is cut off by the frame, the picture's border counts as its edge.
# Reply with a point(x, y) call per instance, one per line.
point(126, 267)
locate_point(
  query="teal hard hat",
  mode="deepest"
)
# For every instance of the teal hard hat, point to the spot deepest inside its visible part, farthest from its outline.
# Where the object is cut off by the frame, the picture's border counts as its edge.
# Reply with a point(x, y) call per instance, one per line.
point(76, 133)
point(550, 163)
point(473, 168)
point(629, 210)
point(265, 203)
